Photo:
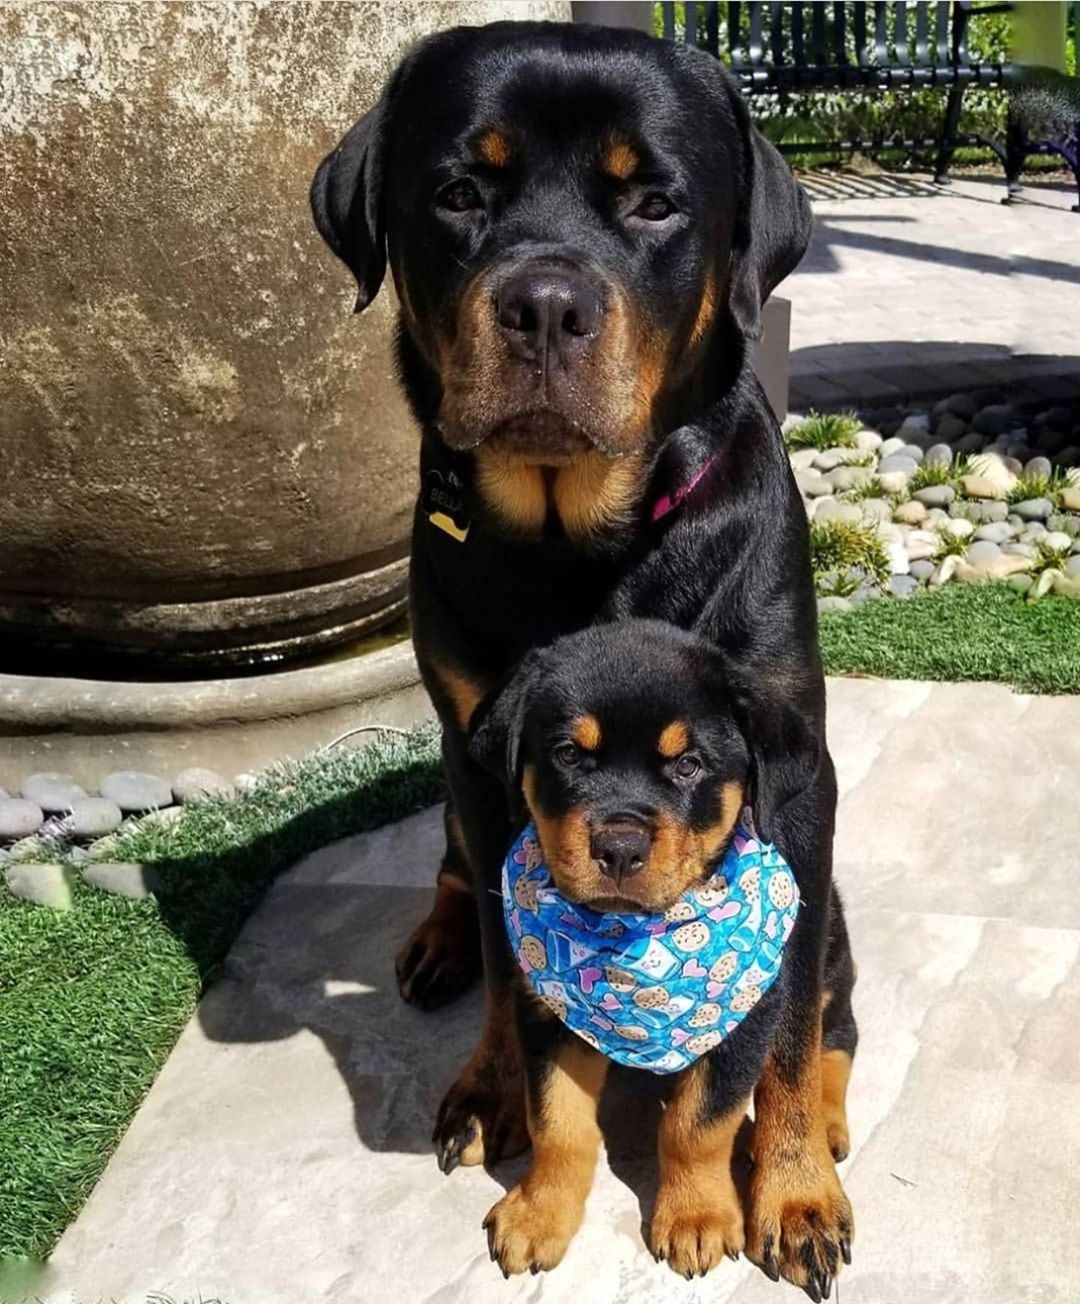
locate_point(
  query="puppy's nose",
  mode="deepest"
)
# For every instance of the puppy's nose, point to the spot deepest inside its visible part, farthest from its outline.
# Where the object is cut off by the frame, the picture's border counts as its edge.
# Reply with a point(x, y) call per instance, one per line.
point(621, 849)
point(542, 312)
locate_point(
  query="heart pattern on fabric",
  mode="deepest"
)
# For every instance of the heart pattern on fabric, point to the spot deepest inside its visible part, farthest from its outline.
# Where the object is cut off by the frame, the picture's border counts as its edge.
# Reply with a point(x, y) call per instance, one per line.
point(654, 991)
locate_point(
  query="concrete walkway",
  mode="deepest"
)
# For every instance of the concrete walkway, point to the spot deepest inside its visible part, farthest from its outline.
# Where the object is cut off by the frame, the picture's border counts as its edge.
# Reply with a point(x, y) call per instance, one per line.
point(910, 288)
point(283, 1156)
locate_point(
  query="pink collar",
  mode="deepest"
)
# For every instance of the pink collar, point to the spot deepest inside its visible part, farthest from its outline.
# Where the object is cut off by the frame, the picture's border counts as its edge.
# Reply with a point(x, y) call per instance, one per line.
point(678, 496)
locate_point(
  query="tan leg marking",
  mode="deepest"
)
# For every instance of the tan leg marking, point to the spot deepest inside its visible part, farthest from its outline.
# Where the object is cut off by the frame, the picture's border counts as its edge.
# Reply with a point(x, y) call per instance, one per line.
point(697, 1219)
point(531, 1227)
point(800, 1223)
point(835, 1072)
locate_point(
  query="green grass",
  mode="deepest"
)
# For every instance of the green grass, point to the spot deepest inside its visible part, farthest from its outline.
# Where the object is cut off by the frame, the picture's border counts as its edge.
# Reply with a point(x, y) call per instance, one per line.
point(93, 998)
point(960, 632)
point(823, 430)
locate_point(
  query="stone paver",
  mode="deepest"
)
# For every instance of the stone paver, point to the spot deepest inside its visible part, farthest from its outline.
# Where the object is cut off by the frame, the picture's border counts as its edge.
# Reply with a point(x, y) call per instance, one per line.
point(284, 1152)
point(910, 288)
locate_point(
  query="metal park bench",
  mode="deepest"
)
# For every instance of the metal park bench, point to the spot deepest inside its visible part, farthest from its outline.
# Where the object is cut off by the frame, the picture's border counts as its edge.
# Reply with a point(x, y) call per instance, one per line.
point(777, 49)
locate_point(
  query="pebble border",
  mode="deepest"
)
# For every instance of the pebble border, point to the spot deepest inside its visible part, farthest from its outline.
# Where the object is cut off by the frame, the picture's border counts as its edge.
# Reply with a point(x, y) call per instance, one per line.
point(971, 528)
point(54, 817)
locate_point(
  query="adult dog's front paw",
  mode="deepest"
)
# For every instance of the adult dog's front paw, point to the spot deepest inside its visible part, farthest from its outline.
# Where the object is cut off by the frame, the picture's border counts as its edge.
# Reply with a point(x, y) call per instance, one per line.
point(694, 1228)
point(482, 1117)
point(800, 1225)
point(531, 1229)
point(441, 956)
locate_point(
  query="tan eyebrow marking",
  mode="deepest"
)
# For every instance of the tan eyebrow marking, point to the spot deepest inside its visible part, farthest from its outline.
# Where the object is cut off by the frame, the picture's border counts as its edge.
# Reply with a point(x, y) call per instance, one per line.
point(619, 159)
point(494, 148)
point(706, 312)
point(674, 739)
point(585, 731)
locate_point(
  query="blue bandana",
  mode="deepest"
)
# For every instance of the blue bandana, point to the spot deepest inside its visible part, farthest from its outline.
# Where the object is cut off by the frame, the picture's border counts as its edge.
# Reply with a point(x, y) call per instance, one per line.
point(654, 991)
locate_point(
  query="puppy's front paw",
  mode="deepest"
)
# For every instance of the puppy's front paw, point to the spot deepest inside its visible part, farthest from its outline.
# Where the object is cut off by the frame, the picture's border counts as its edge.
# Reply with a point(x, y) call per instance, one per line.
point(531, 1229)
point(800, 1225)
point(693, 1228)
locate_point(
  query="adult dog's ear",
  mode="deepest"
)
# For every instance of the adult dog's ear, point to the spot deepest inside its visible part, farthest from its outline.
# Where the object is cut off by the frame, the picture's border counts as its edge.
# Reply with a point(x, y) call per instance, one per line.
point(347, 201)
point(772, 227)
point(495, 738)
point(785, 757)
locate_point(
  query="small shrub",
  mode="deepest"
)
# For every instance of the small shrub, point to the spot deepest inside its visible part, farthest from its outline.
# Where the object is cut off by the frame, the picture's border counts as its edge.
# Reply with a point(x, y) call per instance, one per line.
point(823, 430)
point(933, 474)
point(1035, 486)
point(1047, 559)
point(951, 545)
point(837, 546)
point(872, 489)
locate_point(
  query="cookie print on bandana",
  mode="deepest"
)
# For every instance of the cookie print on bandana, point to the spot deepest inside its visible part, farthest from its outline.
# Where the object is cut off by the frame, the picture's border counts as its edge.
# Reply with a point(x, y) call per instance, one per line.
point(654, 991)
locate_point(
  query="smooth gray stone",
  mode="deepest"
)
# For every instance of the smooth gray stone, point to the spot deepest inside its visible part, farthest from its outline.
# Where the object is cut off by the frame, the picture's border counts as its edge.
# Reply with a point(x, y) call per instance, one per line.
point(92, 817)
point(133, 791)
point(935, 495)
point(982, 550)
point(45, 884)
point(832, 603)
point(903, 586)
point(898, 462)
point(938, 455)
point(194, 784)
point(52, 791)
point(19, 818)
point(1039, 466)
point(123, 878)
point(922, 569)
point(1033, 509)
point(995, 532)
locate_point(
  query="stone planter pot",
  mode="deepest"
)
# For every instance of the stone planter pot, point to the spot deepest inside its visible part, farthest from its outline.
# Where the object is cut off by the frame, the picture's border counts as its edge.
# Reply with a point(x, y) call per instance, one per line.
point(204, 459)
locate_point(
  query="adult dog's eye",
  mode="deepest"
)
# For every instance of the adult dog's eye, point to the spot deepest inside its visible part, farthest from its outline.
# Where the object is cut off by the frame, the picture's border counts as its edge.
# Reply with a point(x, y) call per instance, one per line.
point(460, 197)
point(654, 207)
point(567, 755)
point(686, 767)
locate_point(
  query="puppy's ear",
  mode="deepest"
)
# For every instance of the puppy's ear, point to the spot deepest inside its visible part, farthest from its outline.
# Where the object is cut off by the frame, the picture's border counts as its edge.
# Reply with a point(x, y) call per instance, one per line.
point(347, 201)
point(772, 227)
point(785, 757)
point(495, 738)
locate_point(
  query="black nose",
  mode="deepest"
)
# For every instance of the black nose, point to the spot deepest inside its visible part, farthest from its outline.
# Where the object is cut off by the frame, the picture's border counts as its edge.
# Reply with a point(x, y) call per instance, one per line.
point(621, 849)
point(541, 312)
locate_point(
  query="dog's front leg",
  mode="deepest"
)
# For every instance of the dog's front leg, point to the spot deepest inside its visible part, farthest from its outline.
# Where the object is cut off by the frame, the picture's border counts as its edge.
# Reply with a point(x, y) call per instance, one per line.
point(482, 1116)
point(800, 1224)
point(531, 1227)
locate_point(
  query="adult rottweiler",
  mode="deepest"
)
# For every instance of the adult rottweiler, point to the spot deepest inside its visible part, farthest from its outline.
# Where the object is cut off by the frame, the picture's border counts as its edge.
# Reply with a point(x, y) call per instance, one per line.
point(582, 225)
point(636, 752)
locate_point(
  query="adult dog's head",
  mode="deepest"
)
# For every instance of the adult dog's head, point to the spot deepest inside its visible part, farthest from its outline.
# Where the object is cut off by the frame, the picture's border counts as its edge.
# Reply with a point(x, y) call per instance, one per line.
point(581, 223)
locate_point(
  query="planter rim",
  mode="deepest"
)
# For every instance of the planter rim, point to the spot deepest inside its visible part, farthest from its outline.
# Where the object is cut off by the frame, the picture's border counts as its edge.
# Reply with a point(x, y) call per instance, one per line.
point(29, 704)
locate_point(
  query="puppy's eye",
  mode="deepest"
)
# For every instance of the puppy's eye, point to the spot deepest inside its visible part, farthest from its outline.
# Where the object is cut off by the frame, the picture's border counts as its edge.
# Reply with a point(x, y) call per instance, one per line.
point(686, 767)
point(566, 755)
point(654, 207)
point(460, 197)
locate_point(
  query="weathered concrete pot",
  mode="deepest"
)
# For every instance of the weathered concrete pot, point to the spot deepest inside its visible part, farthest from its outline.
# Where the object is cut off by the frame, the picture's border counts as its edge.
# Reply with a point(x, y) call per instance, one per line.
point(204, 458)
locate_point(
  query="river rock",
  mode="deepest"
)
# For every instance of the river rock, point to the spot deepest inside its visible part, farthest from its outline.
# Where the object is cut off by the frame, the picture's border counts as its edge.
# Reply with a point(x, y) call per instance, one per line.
point(134, 792)
point(910, 513)
point(1033, 509)
point(51, 791)
point(935, 495)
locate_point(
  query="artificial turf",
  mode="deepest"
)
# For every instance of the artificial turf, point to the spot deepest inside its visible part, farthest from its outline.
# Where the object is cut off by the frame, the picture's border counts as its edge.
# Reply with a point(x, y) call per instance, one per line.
point(961, 631)
point(93, 998)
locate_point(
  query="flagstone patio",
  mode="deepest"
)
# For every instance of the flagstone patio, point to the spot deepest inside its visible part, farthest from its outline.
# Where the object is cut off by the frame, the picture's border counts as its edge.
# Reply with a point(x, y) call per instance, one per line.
point(283, 1154)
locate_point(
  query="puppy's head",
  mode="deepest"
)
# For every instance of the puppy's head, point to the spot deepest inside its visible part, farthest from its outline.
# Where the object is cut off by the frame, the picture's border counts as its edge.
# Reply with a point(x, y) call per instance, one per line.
point(581, 224)
point(634, 758)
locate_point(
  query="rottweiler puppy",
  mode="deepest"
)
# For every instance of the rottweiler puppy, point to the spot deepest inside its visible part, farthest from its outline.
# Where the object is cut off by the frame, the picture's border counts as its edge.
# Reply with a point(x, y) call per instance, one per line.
point(633, 749)
point(582, 225)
